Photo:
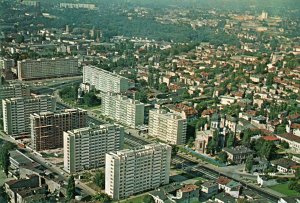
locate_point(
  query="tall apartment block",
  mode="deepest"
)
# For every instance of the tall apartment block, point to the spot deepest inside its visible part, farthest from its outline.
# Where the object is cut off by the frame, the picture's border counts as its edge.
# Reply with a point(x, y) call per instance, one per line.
point(128, 172)
point(47, 127)
point(168, 127)
point(16, 112)
point(76, 5)
point(47, 68)
point(11, 91)
point(85, 148)
point(122, 109)
point(105, 81)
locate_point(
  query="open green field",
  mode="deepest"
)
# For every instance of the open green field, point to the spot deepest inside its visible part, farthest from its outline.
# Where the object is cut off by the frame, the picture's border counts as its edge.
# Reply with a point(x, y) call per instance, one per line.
point(138, 199)
point(283, 189)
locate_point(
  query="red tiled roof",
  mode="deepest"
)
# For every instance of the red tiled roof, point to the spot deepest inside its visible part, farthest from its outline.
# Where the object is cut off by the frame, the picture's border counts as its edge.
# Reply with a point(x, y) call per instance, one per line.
point(189, 188)
point(223, 180)
point(270, 138)
point(295, 126)
point(294, 116)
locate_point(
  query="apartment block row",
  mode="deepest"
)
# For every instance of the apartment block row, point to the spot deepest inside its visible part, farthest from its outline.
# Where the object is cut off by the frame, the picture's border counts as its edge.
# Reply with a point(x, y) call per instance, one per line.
point(122, 109)
point(105, 81)
point(85, 148)
point(47, 68)
point(16, 112)
point(128, 172)
point(13, 90)
point(168, 127)
point(77, 5)
point(47, 127)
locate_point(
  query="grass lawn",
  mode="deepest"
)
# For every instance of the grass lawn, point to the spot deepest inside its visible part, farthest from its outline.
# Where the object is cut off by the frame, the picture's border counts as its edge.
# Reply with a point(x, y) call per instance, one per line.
point(2, 177)
point(138, 199)
point(283, 189)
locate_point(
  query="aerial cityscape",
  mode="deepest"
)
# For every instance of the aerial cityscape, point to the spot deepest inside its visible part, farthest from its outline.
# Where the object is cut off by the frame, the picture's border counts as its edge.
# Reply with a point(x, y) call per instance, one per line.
point(150, 101)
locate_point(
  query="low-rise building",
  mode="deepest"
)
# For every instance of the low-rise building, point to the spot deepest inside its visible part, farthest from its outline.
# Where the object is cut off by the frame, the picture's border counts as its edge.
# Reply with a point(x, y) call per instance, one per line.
point(264, 180)
point(292, 140)
point(24, 189)
point(209, 189)
point(285, 166)
point(238, 154)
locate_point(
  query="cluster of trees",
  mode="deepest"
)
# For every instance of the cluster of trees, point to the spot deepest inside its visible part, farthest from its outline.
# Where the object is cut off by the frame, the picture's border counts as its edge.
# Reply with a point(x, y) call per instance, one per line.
point(294, 184)
point(99, 179)
point(71, 188)
point(70, 94)
point(5, 147)
point(90, 99)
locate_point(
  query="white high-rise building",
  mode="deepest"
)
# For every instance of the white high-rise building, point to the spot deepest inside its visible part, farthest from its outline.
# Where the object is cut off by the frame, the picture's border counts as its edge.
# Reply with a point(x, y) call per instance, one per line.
point(11, 91)
point(105, 81)
point(168, 127)
point(123, 109)
point(47, 68)
point(128, 172)
point(16, 112)
point(85, 148)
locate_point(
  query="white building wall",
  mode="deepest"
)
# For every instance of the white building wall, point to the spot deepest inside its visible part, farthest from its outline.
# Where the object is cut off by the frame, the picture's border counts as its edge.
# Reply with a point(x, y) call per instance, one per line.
point(128, 172)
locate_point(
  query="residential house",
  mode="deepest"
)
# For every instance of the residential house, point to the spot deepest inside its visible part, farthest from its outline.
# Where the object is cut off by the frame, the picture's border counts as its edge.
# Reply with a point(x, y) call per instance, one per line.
point(289, 200)
point(202, 139)
point(292, 140)
point(285, 166)
point(264, 180)
point(209, 189)
point(18, 190)
point(224, 198)
point(238, 154)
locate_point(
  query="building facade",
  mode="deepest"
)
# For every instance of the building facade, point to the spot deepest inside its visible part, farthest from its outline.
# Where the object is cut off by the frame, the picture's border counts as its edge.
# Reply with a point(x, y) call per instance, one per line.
point(85, 148)
point(47, 68)
point(16, 112)
point(77, 6)
point(168, 127)
point(122, 109)
point(128, 172)
point(47, 127)
point(105, 81)
point(11, 91)
point(6, 63)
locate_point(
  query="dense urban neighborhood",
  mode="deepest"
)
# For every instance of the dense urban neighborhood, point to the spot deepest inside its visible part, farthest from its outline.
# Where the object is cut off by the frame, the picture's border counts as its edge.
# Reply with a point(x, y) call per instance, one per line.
point(158, 101)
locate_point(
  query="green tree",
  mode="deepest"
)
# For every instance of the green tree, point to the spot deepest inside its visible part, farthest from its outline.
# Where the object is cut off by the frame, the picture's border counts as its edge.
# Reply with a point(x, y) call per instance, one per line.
point(249, 163)
point(270, 79)
point(71, 188)
point(213, 145)
point(163, 87)
point(223, 156)
point(174, 150)
point(148, 199)
point(5, 160)
point(90, 99)
point(297, 174)
point(102, 197)
point(99, 179)
point(230, 140)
